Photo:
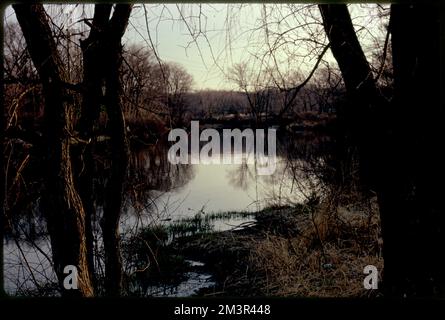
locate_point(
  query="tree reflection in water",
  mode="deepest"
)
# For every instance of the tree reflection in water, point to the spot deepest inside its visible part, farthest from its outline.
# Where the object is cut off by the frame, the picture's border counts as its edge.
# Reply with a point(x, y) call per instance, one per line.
point(156, 191)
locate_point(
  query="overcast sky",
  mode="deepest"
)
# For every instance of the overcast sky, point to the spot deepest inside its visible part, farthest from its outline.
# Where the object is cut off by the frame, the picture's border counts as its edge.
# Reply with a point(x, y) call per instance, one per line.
point(208, 39)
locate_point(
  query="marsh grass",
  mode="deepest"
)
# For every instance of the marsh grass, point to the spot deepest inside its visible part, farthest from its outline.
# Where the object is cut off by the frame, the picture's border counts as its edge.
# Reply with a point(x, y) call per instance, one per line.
point(202, 223)
point(151, 258)
point(303, 251)
point(306, 250)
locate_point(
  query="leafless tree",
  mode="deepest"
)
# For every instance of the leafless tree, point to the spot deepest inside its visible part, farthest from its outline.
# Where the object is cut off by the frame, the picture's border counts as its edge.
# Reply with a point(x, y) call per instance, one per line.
point(67, 211)
point(396, 163)
point(179, 83)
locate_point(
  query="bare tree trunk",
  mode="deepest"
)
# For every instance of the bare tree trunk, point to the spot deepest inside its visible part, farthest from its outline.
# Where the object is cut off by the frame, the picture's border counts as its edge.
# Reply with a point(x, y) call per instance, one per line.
point(402, 164)
point(119, 150)
point(94, 66)
point(102, 56)
point(61, 203)
point(361, 114)
point(411, 202)
point(93, 78)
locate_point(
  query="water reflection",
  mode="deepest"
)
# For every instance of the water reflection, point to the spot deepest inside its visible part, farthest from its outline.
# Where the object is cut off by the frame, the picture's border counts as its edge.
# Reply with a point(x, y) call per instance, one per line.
point(150, 177)
point(209, 188)
point(158, 192)
point(161, 190)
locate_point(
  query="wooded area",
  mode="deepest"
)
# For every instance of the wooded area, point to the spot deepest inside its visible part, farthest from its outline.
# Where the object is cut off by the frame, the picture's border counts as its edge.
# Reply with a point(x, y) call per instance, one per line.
point(100, 89)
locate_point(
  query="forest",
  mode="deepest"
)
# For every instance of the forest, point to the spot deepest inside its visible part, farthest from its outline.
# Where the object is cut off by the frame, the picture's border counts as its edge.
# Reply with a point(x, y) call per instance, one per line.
point(92, 91)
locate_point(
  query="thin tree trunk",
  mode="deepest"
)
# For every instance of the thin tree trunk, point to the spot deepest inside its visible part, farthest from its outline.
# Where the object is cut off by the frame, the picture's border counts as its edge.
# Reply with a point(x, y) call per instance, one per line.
point(93, 78)
point(94, 66)
point(102, 57)
point(119, 150)
point(61, 203)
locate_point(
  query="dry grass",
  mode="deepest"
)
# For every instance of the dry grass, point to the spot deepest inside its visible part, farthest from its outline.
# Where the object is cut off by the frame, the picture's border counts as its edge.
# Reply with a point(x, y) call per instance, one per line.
point(303, 251)
point(325, 260)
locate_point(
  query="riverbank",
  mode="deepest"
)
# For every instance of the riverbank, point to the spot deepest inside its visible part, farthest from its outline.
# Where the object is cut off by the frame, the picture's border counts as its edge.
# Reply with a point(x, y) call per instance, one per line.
point(303, 251)
point(145, 132)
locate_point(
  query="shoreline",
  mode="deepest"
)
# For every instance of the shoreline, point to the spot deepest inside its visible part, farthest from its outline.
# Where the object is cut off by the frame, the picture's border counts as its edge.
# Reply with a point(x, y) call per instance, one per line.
point(289, 251)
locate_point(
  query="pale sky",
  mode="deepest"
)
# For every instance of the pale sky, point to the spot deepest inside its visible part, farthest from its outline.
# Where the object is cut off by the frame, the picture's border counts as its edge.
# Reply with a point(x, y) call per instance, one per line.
point(230, 34)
